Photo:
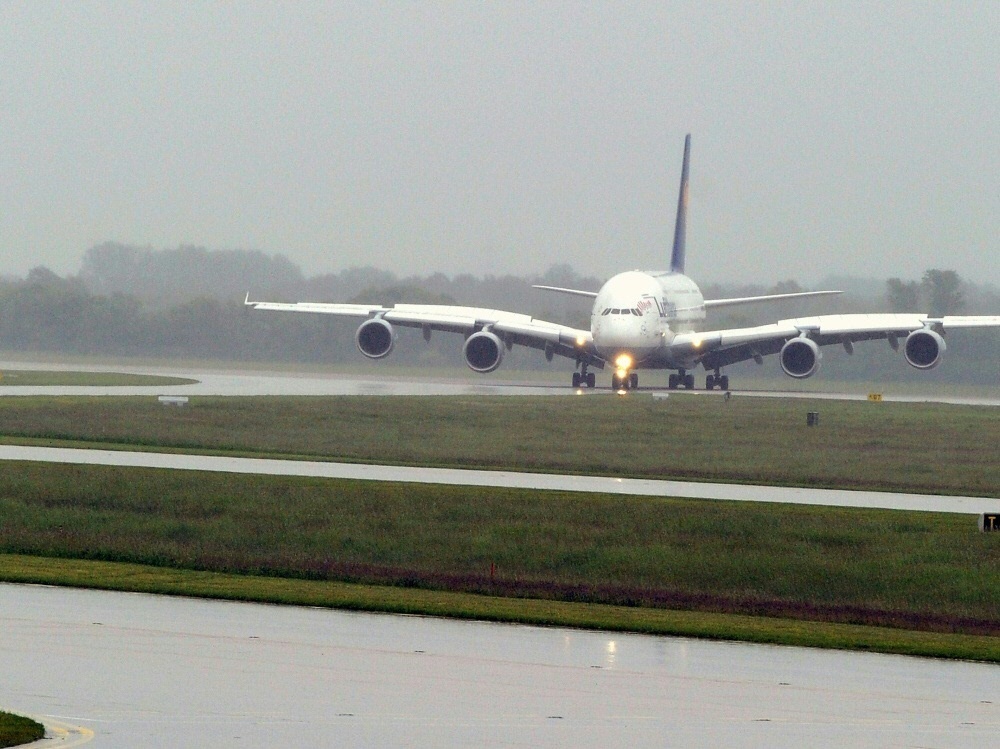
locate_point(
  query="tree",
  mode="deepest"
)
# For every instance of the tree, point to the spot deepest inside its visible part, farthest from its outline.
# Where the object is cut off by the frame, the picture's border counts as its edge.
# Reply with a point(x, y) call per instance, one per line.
point(786, 287)
point(903, 296)
point(944, 291)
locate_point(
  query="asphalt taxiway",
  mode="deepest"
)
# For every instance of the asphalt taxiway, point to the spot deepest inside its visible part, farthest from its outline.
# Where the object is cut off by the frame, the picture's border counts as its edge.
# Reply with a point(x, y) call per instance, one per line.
point(468, 477)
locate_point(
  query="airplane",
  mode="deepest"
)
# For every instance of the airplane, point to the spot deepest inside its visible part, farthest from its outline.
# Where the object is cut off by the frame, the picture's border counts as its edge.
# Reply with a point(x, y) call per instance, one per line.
point(649, 320)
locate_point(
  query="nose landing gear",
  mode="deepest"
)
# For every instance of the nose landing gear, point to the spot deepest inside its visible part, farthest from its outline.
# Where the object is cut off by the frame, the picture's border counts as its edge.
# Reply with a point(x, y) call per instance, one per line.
point(717, 380)
point(681, 380)
point(583, 378)
point(624, 381)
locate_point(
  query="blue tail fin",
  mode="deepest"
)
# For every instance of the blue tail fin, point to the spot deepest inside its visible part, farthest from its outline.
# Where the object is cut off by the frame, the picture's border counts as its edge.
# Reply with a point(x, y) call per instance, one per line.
point(680, 228)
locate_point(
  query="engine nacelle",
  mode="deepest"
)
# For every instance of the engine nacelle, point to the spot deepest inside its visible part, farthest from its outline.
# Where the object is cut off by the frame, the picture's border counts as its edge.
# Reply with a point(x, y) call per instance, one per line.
point(483, 351)
point(375, 338)
point(923, 349)
point(800, 358)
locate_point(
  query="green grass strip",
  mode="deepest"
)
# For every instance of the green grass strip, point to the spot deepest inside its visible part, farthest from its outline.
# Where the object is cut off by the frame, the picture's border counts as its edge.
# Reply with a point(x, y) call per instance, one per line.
point(911, 447)
point(145, 579)
point(16, 730)
point(922, 571)
point(59, 378)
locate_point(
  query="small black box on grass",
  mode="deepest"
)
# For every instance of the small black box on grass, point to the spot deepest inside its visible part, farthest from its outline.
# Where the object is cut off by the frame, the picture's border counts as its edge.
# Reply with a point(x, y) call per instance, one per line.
point(989, 521)
point(812, 418)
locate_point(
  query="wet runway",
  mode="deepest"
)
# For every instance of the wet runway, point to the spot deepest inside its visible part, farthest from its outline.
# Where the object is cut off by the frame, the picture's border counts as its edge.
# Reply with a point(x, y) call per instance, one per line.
point(148, 671)
point(467, 477)
point(383, 381)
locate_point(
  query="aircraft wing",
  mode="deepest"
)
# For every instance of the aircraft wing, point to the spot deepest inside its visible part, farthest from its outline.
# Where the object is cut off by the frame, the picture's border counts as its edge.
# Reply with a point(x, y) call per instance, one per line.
point(719, 348)
point(714, 303)
point(572, 292)
point(512, 327)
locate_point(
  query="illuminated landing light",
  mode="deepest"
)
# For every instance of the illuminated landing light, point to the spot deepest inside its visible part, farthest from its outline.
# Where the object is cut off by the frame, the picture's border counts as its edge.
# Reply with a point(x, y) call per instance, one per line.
point(581, 341)
point(579, 391)
point(624, 361)
point(697, 343)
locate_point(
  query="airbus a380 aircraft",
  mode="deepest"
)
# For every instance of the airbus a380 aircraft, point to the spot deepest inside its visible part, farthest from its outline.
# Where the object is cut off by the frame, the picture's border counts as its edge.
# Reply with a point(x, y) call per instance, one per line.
point(649, 320)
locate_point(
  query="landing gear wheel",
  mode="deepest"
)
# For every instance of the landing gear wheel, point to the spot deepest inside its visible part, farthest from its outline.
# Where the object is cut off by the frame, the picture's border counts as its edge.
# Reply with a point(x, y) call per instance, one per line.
point(689, 381)
point(616, 383)
point(633, 380)
point(591, 379)
point(710, 382)
point(672, 382)
point(576, 379)
point(724, 382)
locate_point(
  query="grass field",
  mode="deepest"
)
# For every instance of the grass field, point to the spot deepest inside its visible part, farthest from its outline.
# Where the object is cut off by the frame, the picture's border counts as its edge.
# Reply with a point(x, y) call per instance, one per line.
point(920, 583)
point(923, 448)
point(923, 571)
point(16, 730)
point(44, 377)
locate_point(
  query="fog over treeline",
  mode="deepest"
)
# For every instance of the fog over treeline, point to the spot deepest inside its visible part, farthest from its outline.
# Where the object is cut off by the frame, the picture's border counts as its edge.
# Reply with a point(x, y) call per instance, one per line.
point(188, 303)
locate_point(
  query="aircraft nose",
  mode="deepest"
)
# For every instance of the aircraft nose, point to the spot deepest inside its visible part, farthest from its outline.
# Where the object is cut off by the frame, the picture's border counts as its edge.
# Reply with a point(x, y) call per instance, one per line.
point(618, 333)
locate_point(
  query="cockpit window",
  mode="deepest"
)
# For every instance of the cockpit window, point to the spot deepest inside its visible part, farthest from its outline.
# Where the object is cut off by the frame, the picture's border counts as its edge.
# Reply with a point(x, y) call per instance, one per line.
point(616, 312)
point(637, 313)
point(607, 311)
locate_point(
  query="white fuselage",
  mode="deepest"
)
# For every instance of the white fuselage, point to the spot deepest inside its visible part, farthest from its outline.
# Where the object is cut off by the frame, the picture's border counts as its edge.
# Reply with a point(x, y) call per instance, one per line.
point(636, 315)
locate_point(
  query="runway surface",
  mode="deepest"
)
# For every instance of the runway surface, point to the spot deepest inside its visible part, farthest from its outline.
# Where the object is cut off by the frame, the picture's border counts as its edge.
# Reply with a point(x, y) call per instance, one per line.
point(464, 477)
point(383, 381)
point(147, 671)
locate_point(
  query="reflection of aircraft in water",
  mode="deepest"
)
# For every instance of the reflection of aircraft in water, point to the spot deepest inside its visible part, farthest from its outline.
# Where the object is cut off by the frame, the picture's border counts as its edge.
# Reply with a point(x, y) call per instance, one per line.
point(649, 320)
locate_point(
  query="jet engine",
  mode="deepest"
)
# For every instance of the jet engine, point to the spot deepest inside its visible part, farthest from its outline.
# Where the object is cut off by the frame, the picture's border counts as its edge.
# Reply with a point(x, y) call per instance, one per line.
point(923, 349)
point(800, 358)
point(483, 351)
point(375, 338)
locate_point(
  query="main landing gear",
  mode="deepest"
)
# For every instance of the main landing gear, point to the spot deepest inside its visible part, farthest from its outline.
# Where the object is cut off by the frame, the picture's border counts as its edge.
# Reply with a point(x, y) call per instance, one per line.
point(583, 378)
point(717, 380)
point(684, 380)
point(625, 381)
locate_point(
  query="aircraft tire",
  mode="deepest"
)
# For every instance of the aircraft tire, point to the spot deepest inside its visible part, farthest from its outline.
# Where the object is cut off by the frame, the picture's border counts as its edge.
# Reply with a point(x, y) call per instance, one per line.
point(710, 382)
point(591, 379)
point(724, 382)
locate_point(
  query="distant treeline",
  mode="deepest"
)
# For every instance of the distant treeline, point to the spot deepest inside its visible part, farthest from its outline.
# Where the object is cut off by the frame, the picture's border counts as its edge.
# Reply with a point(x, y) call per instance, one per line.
point(188, 303)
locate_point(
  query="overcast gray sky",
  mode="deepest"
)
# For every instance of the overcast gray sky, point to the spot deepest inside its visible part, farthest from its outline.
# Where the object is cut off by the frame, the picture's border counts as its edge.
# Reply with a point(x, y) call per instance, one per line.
point(855, 138)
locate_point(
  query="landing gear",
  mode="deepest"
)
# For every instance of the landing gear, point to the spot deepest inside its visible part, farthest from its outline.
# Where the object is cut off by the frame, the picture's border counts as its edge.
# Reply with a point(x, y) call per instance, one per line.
point(583, 378)
point(681, 380)
point(717, 380)
point(625, 381)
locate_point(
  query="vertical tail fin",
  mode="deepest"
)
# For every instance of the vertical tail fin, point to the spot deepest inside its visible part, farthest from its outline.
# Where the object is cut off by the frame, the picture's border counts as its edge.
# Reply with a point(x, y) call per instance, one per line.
point(680, 228)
